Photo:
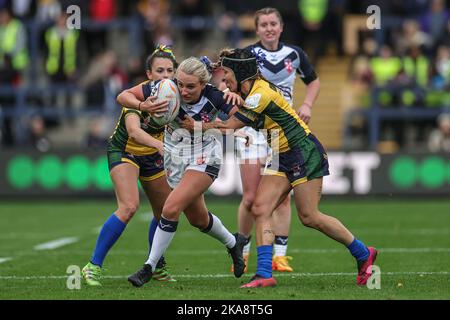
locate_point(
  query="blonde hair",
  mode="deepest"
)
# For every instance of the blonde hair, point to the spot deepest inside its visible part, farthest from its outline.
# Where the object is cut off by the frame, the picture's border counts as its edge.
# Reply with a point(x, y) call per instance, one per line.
point(266, 11)
point(195, 67)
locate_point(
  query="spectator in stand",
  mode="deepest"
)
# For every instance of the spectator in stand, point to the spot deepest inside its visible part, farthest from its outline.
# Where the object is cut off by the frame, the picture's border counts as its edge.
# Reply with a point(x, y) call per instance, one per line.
point(434, 21)
point(439, 140)
point(313, 27)
point(95, 139)
point(410, 36)
point(360, 73)
point(61, 63)
point(442, 64)
point(13, 46)
point(134, 71)
point(62, 51)
point(37, 134)
point(103, 80)
point(24, 9)
point(385, 67)
point(99, 11)
point(445, 40)
point(417, 67)
point(48, 10)
point(155, 23)
point(13, 62)
point(193, 35)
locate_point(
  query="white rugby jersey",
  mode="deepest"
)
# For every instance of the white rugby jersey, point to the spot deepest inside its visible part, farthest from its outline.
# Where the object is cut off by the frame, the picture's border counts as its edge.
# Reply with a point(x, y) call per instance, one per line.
point(206, 109)
point(281, 65)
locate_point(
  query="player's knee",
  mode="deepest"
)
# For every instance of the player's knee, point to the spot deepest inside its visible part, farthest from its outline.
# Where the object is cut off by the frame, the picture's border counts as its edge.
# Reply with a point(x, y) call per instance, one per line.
point(127, 210)
point(310, 219)
point(247, 200)
point(260, 209)
point(171, 211)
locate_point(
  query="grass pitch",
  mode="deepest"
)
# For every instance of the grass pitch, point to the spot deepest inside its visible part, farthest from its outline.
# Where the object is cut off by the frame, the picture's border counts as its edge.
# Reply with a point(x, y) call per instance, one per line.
point(413, 238)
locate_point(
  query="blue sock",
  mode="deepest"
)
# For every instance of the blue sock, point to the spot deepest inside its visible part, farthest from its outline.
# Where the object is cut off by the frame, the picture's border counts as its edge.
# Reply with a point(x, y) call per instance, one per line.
point(264, 267)
point(358, 250)
point(151, 235)
point(111, 231)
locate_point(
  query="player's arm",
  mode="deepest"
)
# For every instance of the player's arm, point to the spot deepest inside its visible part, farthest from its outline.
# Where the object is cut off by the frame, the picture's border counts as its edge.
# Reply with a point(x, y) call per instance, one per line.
point(134, 130)
point(312, 82)
point(133, 98)
point(312, 91)
point(226, 127)
point(226, 102)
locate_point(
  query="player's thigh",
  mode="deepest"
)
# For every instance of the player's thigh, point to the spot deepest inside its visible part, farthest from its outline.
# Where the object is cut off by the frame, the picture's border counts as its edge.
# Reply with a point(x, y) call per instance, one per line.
point(124, 177)
point(157, 191)
point(307, 196)
point(192, 185)
point(271, 191)
point(250, 176)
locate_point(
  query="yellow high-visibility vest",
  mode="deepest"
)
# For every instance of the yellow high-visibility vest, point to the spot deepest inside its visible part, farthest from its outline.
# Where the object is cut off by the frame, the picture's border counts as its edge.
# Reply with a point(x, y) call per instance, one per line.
point(313, 10)
point(54, 47)
point(418, 68)
point(385, 69)
point(10, 34)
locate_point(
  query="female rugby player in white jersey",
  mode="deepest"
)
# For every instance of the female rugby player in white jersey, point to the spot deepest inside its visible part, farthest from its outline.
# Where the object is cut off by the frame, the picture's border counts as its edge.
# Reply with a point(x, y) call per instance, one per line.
point(192, 163)
point(279, 64)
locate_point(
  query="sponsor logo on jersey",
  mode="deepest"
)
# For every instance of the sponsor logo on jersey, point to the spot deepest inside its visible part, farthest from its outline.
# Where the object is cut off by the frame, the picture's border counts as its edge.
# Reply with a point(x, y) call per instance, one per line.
point(252, 101)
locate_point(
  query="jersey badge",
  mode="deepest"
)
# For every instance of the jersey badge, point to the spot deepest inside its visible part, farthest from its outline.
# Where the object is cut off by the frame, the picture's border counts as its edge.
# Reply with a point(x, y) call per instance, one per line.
point(252, 101)
point(288, 65)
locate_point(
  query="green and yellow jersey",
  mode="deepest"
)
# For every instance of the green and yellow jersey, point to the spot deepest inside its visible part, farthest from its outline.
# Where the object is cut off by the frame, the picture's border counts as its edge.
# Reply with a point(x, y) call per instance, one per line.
point(121, 141)
point(266, 108)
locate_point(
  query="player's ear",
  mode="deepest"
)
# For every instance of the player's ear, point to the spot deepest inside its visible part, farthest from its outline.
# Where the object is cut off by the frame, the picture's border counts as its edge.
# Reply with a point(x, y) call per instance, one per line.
point(149, 74)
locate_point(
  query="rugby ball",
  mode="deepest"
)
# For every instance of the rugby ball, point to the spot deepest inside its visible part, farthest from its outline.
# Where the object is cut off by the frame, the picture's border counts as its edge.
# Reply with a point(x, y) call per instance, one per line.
point(167, 90)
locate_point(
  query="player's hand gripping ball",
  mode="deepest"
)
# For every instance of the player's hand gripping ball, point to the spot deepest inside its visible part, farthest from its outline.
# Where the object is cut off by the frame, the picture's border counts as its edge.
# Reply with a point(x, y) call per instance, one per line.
point(167, 90)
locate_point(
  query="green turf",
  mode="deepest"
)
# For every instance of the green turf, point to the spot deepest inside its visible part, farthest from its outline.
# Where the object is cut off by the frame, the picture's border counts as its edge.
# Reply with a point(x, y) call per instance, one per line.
point(413, 238)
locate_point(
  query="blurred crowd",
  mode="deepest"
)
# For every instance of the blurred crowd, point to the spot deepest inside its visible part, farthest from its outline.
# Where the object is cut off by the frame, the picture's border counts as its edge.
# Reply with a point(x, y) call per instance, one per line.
point(75, 70)
point(410, 69)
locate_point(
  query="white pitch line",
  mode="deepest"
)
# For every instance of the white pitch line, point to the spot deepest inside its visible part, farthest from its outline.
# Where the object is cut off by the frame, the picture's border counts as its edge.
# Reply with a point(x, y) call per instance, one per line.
point(5, 259)
point(221, 252)
point(199, 276)
point(54, 244)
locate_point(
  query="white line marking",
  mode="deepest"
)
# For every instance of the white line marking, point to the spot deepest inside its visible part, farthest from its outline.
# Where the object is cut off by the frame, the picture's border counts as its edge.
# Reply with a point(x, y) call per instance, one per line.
point(221, 252)
point(147, 216)
point(5, 259)
point(199, 276)
point(54, 244)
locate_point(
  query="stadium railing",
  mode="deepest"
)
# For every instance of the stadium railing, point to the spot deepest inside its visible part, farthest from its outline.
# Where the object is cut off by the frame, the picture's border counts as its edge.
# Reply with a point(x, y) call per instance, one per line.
point(376, 113)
